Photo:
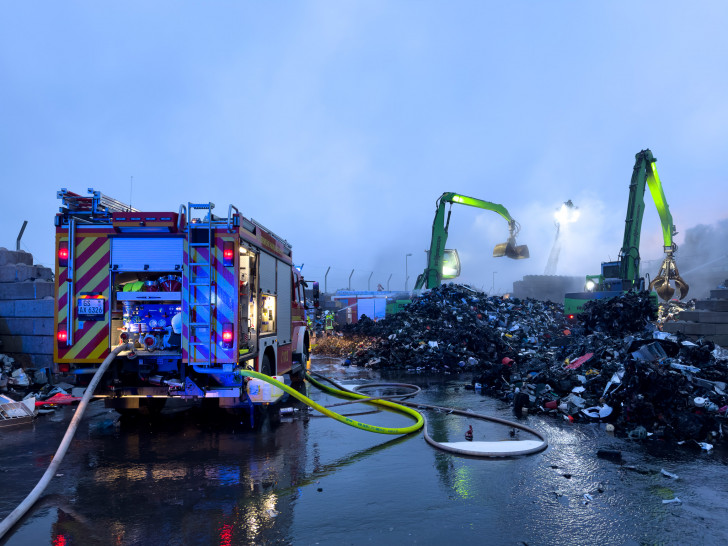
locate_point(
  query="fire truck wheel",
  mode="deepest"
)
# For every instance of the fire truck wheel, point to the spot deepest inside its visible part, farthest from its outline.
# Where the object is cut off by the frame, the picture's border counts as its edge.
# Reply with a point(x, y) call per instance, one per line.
point(265, 366)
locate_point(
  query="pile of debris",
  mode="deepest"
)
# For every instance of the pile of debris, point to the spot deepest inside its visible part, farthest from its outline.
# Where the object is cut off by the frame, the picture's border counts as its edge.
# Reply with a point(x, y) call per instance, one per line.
point(24, 394)
point(12, 376)
point(455, 327)
point(613, 364)
point(338, 345)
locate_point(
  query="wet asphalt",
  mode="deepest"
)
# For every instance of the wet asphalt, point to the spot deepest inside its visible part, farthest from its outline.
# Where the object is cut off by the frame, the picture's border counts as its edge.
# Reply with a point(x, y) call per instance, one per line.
point(189, 477)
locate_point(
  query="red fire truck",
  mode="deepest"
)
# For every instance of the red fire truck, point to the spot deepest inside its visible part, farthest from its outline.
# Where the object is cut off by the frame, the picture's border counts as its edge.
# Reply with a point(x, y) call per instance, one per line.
point(197, 295)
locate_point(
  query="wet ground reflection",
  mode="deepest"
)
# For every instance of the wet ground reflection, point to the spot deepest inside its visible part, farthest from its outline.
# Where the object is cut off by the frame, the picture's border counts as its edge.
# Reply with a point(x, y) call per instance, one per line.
point(187, 479)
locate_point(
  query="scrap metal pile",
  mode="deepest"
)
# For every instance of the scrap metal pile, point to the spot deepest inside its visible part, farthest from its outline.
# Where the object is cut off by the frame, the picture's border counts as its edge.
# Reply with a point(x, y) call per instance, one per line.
point(613, 364)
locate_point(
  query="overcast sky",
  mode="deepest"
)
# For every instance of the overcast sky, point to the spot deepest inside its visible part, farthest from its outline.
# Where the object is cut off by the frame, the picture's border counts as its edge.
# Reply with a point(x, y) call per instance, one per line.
point(338, 124)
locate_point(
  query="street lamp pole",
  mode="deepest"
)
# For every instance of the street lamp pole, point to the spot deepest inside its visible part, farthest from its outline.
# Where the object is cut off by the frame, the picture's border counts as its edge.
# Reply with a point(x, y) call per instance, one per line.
point(406, 270)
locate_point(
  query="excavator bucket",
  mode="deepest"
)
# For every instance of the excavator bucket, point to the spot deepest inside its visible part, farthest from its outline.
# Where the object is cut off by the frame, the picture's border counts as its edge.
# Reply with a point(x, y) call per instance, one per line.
point(510, 250)
point(661, 283)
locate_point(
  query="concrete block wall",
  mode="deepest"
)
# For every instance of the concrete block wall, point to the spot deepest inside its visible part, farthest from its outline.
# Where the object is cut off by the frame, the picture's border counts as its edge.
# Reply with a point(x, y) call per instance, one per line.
point(26, 310)
point(708, 321)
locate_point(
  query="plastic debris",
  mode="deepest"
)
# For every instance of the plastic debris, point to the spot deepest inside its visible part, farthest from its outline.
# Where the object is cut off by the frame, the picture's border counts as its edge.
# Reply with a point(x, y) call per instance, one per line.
point(671, 501)
point(579, 361)
point(668, 474)
point(598, 412)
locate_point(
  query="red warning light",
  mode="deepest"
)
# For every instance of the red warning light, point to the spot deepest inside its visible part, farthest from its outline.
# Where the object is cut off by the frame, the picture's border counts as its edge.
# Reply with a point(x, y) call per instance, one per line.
point(62, 336)
point(228, 253)
point(63, 254)
point(227, 336)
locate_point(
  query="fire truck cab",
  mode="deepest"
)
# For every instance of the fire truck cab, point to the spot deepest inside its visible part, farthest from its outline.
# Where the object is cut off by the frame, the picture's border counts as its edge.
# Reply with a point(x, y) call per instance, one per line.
point(199, 296)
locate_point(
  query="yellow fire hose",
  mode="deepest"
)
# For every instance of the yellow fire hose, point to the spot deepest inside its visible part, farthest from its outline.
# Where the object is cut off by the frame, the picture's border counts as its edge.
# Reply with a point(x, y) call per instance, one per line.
point(473, 449)
point(419, 420)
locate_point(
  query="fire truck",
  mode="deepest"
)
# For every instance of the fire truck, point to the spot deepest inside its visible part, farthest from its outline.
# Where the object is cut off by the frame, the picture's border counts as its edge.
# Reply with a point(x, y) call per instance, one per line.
point(198, 296)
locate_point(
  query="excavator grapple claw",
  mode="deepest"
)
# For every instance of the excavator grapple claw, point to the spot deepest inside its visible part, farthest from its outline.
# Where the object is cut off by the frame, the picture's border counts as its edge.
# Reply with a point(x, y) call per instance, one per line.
point(509, 249)
point(661, 283)
point(663, 288)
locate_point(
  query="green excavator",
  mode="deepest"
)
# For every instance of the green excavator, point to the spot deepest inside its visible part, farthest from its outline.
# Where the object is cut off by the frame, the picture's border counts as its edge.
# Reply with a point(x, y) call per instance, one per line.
point(445, 263)
point(623, 275)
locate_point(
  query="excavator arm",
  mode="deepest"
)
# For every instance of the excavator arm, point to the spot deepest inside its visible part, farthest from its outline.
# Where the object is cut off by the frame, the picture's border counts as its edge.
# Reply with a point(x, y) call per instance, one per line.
point(668, 270)
point(645, 176)
point(432, 275)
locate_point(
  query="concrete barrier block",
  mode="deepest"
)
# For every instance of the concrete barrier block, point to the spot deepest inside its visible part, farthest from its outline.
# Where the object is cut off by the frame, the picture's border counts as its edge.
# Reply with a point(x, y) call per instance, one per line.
point(673, 327)
point(8, 273)
point(11, 344)
point(16, 326)
point(690, 328)
point(7, 308)
point(34, 308)
point(44, 273)
point(27, 344)
point(15, 257)
point(720, 329)
point(719, 294)
point(35, 361)
point(24, 272)
point(703, 316)
point(699, 328)
point(27, 290)
point(720, 306)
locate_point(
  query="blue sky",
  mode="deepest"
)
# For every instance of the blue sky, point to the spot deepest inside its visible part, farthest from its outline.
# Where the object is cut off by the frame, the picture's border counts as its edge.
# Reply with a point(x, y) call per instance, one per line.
point(338, 124)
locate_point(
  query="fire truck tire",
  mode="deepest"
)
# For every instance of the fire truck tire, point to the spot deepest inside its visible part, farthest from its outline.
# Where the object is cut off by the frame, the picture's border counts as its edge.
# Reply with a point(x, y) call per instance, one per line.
point(265, 365)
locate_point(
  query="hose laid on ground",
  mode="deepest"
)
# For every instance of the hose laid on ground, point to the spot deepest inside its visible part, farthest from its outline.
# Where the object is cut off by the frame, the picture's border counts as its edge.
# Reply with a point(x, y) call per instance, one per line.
point(35, 494)
point(530, 450)
point(419, 420)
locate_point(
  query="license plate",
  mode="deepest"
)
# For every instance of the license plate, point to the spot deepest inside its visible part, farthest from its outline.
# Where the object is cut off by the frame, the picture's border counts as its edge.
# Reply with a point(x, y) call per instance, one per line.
point(91, 308)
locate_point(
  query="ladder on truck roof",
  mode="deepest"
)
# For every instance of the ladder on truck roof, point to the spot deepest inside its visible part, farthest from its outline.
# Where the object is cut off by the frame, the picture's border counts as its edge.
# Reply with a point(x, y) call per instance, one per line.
point(95, 205)
point(199, 285)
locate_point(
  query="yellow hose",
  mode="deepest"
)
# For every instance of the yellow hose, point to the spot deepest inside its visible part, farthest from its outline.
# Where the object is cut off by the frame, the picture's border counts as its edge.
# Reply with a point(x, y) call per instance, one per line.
point(346, 420)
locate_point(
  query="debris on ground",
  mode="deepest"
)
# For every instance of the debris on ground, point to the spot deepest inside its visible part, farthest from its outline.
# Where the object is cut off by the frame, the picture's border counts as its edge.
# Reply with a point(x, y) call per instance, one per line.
point(13, 412)
point(613, 364)
point(32, 388)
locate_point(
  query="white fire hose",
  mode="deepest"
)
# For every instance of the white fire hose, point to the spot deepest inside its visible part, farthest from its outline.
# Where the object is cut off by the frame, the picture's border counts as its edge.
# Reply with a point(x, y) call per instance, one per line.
point(37, 491)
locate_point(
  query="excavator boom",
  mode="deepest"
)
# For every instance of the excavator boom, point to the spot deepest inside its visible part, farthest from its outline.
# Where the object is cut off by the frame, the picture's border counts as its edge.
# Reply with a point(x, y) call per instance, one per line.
point(438, 256)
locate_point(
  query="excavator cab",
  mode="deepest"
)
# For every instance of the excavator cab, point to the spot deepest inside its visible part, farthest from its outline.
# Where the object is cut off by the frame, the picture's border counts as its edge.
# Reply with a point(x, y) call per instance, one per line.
point(450, 264)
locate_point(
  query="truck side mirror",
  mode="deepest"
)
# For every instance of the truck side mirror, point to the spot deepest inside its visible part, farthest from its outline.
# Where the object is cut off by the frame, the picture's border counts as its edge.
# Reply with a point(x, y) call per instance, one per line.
point(316, 294)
